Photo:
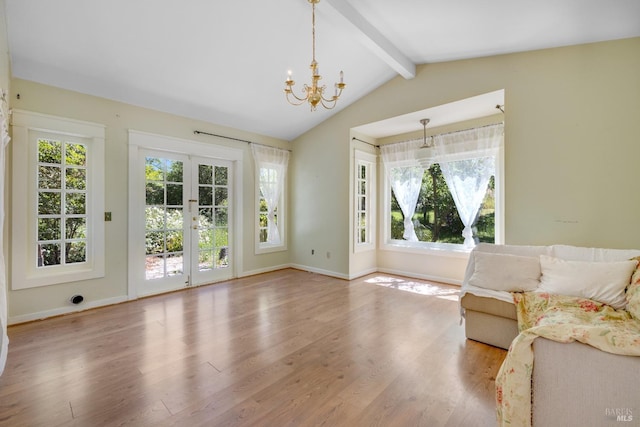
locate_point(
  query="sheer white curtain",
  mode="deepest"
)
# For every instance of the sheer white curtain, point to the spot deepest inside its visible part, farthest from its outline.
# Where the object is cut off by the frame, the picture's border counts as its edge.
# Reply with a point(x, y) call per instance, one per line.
point(4, 141)
point(405, 177)
point(467, 160)
point(271, 169)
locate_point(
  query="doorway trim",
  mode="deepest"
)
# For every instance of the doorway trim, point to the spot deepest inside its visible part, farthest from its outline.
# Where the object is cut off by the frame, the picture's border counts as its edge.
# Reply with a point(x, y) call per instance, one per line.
point(139, 141)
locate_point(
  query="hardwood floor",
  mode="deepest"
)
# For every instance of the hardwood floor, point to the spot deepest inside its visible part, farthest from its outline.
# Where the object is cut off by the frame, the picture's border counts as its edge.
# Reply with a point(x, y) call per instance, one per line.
point(288, 348)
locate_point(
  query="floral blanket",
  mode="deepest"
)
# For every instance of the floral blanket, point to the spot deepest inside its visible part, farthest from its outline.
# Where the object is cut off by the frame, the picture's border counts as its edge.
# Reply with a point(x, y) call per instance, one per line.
point(563, 319)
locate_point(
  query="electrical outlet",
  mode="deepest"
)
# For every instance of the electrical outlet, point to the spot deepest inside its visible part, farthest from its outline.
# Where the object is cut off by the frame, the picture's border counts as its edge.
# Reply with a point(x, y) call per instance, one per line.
point(313, 251)
point(107, 216)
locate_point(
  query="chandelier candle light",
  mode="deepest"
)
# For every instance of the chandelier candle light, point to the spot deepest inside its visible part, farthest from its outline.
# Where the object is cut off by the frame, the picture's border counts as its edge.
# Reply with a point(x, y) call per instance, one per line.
point(314, 94)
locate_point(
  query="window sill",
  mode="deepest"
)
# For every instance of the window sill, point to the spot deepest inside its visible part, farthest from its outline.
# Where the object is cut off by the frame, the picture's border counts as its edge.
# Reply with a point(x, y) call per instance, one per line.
point(266, 249)
point(55, 276)
point(437, 249)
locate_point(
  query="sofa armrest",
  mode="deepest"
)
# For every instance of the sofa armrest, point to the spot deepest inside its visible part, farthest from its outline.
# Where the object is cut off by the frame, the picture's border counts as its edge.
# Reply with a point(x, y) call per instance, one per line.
point(576, 384)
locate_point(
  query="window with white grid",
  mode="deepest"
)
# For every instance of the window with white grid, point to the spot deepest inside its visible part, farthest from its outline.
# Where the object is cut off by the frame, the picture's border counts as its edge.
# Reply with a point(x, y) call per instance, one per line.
point(58, 200)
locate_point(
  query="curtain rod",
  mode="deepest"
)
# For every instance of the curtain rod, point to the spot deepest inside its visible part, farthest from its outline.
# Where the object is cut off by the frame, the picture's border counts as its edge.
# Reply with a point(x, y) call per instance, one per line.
point(199, 132)
point(448, 133)
point(431, 136)
point(358, 139)
point(464, 130)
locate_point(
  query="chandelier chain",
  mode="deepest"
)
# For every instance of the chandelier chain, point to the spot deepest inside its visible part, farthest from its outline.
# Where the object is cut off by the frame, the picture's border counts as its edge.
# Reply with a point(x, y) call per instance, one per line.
point(313, 31)
point(313, 93)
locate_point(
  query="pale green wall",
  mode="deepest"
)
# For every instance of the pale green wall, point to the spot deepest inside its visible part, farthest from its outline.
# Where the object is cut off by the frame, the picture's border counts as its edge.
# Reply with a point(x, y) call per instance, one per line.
point(119, 118)
point(5, 69)
point(320, 198)
point(571, 151)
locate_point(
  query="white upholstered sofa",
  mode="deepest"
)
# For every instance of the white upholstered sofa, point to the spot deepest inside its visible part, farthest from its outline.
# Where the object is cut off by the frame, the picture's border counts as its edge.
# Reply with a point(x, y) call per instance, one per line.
point(572, 383)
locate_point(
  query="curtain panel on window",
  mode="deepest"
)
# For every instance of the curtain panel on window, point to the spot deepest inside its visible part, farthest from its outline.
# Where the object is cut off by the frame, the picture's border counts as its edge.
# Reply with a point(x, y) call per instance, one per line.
point(271, 170)
point(4, 141)
point(467, 160)
point(405, 177)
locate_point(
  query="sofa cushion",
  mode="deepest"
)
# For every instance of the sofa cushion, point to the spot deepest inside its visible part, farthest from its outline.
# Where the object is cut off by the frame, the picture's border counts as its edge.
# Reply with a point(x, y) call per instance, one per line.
point(489, 305)
point(600, 281)
point(520, 250)
point(505, 272)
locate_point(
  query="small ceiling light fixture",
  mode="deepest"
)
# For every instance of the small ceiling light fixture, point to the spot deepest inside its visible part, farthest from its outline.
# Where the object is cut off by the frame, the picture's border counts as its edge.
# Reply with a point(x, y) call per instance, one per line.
point(314, 94)
point(424, 123)
point(424, 155)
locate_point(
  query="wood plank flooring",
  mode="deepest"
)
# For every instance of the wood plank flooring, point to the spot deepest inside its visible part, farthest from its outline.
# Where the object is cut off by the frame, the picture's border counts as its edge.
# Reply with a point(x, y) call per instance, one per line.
point(288, 348)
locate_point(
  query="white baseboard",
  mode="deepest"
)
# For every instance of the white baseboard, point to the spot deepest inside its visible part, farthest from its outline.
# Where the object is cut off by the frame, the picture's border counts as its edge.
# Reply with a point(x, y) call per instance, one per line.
point(264, 270)
point(363, 273)
point(320, 271)
point(12, 320)
point(446, 280)
point(357, 275)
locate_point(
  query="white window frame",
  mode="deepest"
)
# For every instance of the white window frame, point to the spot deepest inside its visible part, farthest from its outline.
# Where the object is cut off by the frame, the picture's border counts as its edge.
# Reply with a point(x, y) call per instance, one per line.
point(369, 161)
point(265, 247)
point(389, 244)
point(281, 224)
point(26, 127)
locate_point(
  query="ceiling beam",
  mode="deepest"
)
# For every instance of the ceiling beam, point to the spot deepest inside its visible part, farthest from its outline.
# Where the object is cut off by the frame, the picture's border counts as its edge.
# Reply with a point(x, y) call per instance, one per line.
point(374, 40)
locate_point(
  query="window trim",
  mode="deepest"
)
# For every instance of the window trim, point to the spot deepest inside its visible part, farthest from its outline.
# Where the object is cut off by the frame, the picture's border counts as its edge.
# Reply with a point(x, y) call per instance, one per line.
point(24, 273)
point(265, 247)
point(269, 157)
point(388, 244)
point(371, 161)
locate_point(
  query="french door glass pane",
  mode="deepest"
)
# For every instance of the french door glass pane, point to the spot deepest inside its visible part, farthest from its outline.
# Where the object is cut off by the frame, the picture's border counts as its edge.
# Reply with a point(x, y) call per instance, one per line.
point(213, 199)
point(164, 219)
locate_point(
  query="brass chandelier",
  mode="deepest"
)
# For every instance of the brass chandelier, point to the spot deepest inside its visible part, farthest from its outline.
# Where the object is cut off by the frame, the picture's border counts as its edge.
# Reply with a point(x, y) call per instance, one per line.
point(313, 94)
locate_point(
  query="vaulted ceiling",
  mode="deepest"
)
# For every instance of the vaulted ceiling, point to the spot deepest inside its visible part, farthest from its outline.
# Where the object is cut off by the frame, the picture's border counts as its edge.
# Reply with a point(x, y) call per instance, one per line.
point(226, 62)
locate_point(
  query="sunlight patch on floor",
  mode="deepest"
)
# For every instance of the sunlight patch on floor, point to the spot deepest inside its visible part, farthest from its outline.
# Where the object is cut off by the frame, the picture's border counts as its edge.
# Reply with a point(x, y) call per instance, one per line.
point(415, 287)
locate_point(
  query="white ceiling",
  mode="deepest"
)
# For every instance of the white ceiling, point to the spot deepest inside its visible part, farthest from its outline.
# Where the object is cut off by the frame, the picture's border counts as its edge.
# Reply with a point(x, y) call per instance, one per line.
point(226, 62)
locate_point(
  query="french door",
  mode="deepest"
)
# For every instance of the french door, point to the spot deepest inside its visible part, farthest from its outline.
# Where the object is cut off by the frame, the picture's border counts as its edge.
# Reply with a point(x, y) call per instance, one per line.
point(188, 221)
